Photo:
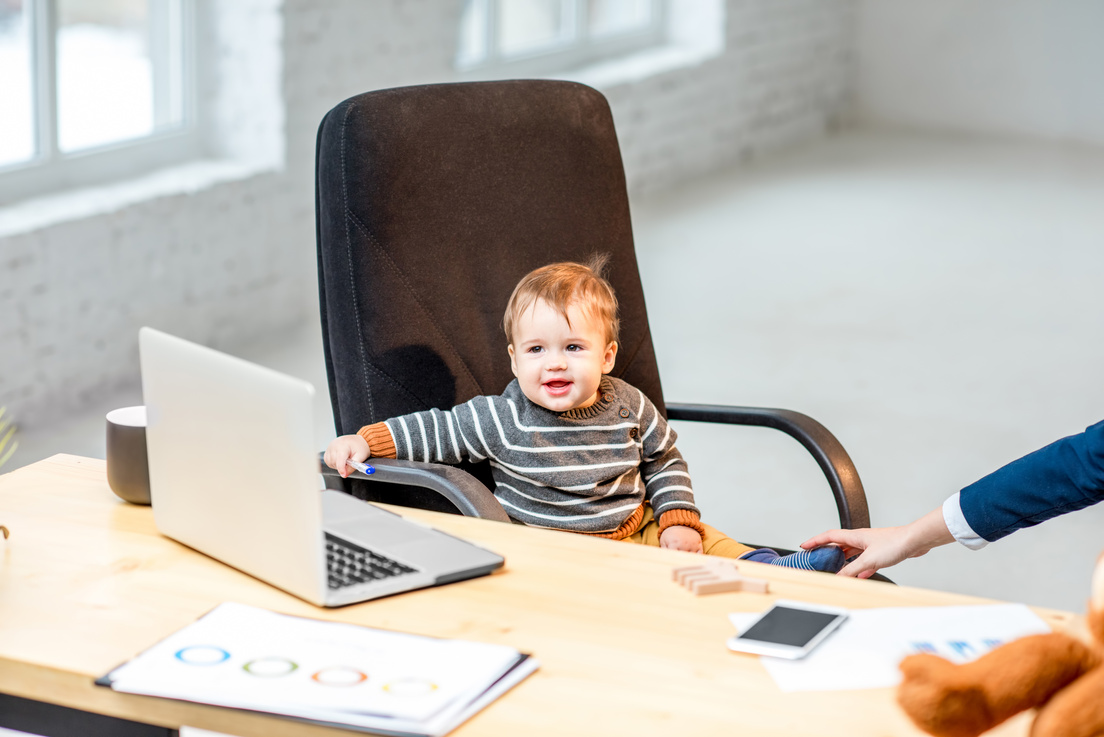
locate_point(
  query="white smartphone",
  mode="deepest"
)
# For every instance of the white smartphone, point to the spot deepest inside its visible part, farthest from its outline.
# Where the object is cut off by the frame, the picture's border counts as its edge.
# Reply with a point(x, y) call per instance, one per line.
point(789, 629)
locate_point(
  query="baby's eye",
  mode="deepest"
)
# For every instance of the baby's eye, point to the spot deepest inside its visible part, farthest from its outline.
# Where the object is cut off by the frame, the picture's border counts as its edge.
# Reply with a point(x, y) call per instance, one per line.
point(535, 349)
point(574, 347)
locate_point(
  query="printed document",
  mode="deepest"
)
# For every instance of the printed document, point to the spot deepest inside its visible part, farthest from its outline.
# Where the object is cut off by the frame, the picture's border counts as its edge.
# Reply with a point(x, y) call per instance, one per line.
point(247, 658)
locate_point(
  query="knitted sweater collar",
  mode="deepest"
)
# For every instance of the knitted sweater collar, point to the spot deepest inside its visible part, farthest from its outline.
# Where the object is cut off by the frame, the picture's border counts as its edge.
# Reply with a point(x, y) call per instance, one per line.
point(603, 403)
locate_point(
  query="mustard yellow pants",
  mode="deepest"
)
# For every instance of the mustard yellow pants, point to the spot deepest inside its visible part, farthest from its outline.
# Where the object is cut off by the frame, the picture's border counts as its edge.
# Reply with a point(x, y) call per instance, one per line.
point(714, 542)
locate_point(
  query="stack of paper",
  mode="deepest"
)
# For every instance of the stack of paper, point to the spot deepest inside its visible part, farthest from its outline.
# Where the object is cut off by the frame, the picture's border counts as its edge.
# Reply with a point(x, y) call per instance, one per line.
point(247, 658)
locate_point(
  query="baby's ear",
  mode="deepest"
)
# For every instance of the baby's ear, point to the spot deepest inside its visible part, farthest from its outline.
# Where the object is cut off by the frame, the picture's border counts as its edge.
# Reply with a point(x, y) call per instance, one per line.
point(610, 357)
point(513, 358)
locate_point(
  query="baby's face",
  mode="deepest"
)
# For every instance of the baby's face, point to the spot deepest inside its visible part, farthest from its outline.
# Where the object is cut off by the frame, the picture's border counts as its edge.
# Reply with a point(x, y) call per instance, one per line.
point(558, 363)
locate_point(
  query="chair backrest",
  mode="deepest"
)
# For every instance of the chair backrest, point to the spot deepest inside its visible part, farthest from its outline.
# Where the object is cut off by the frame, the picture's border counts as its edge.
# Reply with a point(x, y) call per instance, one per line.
point(432, 202)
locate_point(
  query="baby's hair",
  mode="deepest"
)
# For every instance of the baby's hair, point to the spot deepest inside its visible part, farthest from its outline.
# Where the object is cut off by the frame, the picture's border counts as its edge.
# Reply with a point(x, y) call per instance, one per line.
point(562, 285)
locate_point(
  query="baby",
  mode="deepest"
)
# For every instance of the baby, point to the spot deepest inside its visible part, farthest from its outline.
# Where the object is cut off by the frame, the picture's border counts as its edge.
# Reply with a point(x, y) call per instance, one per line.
point(570, 447)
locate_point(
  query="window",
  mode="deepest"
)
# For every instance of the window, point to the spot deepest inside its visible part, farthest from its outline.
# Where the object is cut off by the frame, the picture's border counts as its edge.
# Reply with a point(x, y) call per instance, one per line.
point(543, 35)
point(91, 90)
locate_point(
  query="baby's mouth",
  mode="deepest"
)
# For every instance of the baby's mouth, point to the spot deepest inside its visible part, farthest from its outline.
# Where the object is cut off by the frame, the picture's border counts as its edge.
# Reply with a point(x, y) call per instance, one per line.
point(557, 386)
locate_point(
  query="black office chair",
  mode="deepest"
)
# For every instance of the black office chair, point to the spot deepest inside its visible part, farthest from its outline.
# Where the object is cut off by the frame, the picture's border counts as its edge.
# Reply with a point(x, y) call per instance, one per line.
point(432, 202)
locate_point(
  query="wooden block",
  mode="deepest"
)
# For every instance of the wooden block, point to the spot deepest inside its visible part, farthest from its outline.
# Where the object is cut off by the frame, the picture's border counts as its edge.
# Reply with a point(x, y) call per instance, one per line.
point(755, 586)
point(716, 576)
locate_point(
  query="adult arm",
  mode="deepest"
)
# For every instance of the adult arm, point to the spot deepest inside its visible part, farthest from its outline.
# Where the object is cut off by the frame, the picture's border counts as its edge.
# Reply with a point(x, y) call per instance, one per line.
point(1062, 477)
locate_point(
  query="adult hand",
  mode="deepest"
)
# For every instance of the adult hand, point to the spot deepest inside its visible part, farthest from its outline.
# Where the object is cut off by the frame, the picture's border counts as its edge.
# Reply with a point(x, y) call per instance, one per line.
point(680, 537)
point(876, 547)
point(882, 547)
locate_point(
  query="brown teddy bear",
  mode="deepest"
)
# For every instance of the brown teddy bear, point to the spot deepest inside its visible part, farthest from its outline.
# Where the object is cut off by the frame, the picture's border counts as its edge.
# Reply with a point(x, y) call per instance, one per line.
point(1060, 675)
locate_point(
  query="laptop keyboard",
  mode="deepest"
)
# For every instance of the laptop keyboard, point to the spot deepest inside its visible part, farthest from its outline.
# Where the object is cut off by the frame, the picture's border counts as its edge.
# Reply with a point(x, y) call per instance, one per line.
point(348, 564)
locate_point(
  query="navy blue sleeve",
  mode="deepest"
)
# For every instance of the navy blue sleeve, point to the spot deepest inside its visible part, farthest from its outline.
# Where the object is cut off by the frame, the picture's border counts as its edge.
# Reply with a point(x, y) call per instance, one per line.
point(1065, 476)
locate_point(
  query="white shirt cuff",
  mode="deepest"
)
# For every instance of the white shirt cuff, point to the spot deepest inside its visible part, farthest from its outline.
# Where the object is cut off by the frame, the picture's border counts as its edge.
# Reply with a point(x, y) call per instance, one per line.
point(959, 527)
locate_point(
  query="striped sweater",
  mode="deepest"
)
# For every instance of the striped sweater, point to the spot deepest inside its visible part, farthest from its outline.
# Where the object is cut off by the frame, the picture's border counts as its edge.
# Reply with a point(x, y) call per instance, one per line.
point(589, 470)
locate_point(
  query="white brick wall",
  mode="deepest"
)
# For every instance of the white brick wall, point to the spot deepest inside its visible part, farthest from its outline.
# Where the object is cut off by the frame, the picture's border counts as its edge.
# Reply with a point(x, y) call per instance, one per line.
point(235, 260)
point(785, 76)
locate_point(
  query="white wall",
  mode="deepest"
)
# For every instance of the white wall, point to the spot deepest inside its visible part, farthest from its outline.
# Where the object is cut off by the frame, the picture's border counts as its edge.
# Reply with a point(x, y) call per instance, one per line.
point(785, 76)
point(1018, 67)
point(228, 262)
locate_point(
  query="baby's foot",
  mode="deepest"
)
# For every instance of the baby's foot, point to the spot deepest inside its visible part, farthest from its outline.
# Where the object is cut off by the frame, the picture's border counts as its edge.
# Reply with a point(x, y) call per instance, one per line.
point(828, 558)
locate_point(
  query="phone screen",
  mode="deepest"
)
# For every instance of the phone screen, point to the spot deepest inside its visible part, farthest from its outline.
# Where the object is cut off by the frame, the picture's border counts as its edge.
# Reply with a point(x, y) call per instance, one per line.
point(786, 626)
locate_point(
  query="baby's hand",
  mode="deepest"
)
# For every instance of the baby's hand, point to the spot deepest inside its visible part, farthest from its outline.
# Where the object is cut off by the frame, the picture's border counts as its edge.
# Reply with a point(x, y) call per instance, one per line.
point(345, 448)
point(679, 537)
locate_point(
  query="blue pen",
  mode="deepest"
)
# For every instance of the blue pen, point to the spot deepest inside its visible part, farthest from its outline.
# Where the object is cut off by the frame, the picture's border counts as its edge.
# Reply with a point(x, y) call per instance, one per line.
point(362, 467)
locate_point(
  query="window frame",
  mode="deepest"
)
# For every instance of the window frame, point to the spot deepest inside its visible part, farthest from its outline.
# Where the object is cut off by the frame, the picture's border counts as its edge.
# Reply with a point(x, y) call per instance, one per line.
point(581, 50)
point(51, 170)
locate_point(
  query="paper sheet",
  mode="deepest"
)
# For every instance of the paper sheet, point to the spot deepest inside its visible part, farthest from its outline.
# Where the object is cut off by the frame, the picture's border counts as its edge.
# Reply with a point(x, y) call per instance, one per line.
point(244, 657)
point(865, 651)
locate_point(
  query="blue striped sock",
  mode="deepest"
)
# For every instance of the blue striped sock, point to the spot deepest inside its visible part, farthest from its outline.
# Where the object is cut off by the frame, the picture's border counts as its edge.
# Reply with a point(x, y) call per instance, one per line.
point(827, 558)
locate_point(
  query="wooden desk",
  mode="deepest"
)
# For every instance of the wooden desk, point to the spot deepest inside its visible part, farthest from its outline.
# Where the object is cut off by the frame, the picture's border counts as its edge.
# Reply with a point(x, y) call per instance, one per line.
point(86, 582)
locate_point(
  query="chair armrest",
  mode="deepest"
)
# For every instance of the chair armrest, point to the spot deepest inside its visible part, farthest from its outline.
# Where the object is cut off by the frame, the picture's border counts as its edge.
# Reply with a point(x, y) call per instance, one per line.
point(821, 444)
point(472, 498)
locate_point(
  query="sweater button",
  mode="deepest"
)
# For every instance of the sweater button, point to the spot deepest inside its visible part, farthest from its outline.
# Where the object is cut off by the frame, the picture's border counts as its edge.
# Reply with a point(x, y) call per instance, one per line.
point(624, 412)
point(632, 432)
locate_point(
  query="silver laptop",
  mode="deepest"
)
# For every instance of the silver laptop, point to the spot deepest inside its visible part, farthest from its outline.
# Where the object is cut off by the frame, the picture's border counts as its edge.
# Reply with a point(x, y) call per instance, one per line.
point(234, 474)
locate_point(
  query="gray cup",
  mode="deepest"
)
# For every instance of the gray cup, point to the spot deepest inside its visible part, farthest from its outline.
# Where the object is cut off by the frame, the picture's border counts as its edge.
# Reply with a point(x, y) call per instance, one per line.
point(127, 465)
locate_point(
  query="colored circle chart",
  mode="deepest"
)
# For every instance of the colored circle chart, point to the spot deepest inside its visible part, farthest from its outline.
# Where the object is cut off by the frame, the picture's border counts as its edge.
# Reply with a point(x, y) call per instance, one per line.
point(410, 687)
point(270, 667)
point(340, 675)
point(202, 655)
